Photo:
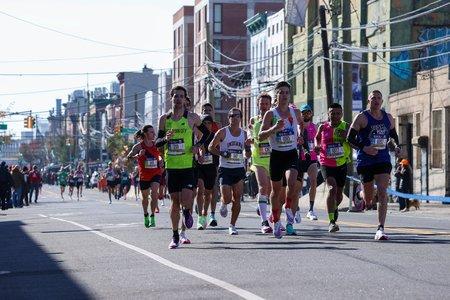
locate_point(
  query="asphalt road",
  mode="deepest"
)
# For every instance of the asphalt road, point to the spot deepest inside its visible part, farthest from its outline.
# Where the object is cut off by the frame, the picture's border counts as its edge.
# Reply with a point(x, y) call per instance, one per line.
point(91, 250)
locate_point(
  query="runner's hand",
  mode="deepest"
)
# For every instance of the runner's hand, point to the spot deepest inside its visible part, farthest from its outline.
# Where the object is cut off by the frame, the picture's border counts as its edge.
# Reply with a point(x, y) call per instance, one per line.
point(278, 126)
point(169, 134)
point(142, 152)
point(317, 149)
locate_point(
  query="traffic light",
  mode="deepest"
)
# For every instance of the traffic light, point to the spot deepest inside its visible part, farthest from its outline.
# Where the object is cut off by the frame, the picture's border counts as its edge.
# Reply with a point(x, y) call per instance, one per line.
point(29, 122)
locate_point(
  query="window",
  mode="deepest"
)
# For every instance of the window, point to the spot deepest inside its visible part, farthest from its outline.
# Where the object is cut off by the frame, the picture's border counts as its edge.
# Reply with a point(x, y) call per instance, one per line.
point(268, 31)
point(179, 36)
point(436, 147)
point(199, 21)
point(374, 56)
point(199, 55)
point(217, 98)
point(277, 28)
point(319, 77)
point(218, 48)
point(384, 53)
point(217, 18)
point(174, 38)
point(273, 29)
point(417, 123)
point(277, 64)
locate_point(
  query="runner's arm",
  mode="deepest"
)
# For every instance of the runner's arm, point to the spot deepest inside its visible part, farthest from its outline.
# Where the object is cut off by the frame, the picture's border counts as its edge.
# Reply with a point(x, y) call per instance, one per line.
point(161, 139)
point(266, 129)
point(134, 151)
point(353, 132)
point(212, 147)
point(247, 147)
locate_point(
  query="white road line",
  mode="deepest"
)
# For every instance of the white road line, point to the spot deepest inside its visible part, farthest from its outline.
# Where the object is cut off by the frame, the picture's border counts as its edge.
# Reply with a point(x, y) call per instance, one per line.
point(222, 284)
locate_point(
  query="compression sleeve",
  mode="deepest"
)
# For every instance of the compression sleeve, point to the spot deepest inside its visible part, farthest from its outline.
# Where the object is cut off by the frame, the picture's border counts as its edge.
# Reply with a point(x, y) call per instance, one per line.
point(351, 138)
point(161, 139)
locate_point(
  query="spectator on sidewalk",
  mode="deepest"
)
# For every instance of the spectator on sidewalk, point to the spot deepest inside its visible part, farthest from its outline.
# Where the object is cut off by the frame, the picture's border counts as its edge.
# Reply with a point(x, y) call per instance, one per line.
point(18, 183)
point(35, 183)
point(404, 173)
point(26, 186)
point(6, 183)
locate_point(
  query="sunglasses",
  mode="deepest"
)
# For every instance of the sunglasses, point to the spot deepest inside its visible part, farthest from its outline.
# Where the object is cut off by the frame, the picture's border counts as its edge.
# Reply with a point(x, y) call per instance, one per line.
point(234, 115)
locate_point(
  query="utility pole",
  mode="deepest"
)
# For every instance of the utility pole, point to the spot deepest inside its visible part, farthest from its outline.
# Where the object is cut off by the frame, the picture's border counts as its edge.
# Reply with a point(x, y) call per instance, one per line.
point(347, 67)
point(365, 56)
point(335, 8)
point(326, 54)
point(88, 129)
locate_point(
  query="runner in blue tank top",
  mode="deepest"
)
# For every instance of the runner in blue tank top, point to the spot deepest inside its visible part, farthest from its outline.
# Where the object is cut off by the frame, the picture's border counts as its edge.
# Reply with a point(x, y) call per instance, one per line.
point(370, 133)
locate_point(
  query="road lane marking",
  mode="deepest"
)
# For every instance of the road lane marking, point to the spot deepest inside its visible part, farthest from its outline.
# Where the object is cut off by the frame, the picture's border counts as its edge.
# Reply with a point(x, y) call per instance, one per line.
point(217, 282)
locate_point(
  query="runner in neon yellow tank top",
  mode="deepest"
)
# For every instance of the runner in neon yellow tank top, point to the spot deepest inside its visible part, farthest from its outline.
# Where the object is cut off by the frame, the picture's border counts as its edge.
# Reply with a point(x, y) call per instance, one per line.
point(176, 135)
point(261, 160)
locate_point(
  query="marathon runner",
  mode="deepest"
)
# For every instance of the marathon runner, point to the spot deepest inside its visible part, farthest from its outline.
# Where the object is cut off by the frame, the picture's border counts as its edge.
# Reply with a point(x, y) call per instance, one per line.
point(229, 143)
point(207, 109)
point(207, 173)
point(176, 135)
point(149, 165)
point(125, 183)
point(79, 179)
point(62, 179)
point(370, 133)
point(111, 181)
point(308, 160)
point(71, 181)
point(334, 154)
point(281, 126)
point(260, 160)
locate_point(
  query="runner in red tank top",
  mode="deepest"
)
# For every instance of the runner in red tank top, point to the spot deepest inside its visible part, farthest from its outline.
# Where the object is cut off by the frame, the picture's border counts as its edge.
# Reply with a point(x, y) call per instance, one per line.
point(149, 166)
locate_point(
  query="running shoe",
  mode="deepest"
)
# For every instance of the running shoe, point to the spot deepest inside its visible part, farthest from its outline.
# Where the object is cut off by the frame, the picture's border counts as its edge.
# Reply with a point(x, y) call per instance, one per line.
point(188, 220)
point(152, 221)
point(223, 210)
point(146, 221)
point(174, 243)
point(232, 230)
point(333, 227)
point(290, 229)
point(289, 215)
point(311, 215)
point(200, 223)
point(380, 235)
point(184, 239)
point(110, 202)
point(265, 227)
point(212, 220)
point(298, 216)
point(277, 230)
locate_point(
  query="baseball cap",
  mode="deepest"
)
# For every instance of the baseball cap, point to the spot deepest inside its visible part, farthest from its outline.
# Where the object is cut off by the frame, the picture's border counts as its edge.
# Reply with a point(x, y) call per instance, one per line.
point(305, 107)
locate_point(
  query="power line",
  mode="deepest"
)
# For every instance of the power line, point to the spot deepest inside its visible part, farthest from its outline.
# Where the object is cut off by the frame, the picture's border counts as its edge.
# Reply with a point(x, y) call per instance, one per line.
point(77, 36)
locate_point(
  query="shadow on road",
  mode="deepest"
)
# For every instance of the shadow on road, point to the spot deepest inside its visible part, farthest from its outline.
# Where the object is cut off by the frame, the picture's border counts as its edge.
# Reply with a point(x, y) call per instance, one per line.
point(28, 272)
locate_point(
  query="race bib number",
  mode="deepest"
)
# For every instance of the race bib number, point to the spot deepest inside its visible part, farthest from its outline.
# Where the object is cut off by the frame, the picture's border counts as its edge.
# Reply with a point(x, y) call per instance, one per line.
point(207, 159)
point(236, 157)
point(176, 147)
point(335, 150)
point(378, 142)
point(285, 138)
point(151, 163)
point(264, 150)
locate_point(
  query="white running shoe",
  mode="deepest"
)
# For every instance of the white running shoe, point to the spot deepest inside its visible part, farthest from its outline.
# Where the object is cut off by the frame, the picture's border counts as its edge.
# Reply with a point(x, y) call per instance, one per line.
point(380, 235)
point(223, 210)
point(232, 230)
point(277, 230)
point(311, 215)
point(289, 215)
point(298, 216)
point(183, 238)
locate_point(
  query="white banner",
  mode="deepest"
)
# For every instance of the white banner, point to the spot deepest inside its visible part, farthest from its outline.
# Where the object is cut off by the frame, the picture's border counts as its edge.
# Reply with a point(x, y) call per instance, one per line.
point(296, 12)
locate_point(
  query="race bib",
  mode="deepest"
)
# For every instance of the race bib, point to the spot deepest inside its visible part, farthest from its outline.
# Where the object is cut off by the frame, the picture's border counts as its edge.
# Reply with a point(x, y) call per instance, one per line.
point(285, 137)
point(378, 142)
point(176, 147)
point(335, 150)
point(264, 149)
point(207, 159)
point(236, 157)
point(151, 163)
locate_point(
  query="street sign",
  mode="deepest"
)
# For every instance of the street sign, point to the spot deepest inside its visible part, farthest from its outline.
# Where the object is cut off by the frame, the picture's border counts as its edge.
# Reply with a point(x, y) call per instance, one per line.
point(125, 130)
point(3, 126)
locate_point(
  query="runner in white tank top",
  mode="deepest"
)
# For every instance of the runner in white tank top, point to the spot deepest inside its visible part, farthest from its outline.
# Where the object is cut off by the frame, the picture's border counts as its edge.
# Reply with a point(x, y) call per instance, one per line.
point(230, 142)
